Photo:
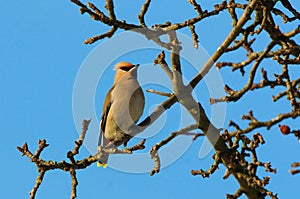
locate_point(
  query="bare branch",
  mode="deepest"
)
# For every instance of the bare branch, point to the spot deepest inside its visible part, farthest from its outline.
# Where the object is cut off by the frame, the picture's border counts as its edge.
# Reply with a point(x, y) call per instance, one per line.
point(160, 59)
point(38, 182)
point(290, 88)
point(154, 150)
point(232, 35)
point(211, 170)
point(108, 34)
point(268, 124)
point(288, 5)
point(159, 93)
point(197, 6)
point(110, 8)
point(74, 184)
point(144, 10)
point(232, 12)
point(236, 195)
point(295, 171)
point(238, 94)
point(194, 36)
point(44, 166)
point(79, 142)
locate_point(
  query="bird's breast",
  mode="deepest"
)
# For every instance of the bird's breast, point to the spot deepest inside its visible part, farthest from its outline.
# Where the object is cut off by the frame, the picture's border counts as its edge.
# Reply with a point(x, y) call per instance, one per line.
point(127, 103)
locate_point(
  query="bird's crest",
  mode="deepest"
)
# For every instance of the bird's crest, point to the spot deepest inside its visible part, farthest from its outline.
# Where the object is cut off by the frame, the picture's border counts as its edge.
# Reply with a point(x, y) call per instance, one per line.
point(125, 65)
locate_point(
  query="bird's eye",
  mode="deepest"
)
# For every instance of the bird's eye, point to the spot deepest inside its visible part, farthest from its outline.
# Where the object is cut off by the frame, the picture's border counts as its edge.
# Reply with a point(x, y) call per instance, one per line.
point(125, 68)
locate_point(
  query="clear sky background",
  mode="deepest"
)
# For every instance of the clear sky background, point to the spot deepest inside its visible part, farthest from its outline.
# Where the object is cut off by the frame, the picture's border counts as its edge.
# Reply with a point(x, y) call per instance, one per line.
point(41, 53)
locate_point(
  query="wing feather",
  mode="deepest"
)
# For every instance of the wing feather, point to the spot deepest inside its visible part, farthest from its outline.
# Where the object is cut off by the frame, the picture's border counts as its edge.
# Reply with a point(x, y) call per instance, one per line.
point(105, 111)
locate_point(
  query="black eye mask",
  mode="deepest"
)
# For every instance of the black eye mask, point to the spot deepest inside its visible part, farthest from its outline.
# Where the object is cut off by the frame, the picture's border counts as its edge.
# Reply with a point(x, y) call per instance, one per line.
point(125, 68)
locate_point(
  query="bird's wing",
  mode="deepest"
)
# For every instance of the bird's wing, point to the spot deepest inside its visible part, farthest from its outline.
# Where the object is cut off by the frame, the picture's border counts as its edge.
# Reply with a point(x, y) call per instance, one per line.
point(105, 110)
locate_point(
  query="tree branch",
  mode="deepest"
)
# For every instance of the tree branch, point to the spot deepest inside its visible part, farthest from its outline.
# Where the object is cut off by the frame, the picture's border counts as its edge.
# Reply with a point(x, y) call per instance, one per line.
point(222, 48)
point(144, 10)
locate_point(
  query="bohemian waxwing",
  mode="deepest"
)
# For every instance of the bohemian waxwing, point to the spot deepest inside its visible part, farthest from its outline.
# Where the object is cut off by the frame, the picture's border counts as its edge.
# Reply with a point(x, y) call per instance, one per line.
point(123, 106)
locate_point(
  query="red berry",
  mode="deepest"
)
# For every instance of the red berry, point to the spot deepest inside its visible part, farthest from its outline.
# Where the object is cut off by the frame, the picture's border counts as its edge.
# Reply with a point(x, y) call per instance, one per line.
point(285, 130)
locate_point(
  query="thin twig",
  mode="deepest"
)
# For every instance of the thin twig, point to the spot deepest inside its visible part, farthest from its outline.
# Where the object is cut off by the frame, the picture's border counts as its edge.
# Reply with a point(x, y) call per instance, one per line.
point(74, 184)
point(38, 182)
point(231, 36)
point(197, 6)
point(79, 142)
point(194, 36)
point(144, 10)
point(238, 94)
point(159, 93)
point(108, 34)
point(110, 8)
point(160, 59)
point(268, 124)
point(154, 150)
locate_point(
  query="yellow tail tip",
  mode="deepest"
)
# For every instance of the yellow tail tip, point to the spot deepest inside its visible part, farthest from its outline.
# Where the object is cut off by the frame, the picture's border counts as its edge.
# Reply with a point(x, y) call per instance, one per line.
point(101, 165)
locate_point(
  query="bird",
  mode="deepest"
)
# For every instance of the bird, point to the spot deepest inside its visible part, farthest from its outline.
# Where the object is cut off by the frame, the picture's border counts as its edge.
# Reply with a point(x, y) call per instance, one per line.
point(123, 106)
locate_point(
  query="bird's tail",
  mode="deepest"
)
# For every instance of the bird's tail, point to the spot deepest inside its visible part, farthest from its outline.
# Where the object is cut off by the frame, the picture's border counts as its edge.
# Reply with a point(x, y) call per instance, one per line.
point(103, 156)
point(103, 159)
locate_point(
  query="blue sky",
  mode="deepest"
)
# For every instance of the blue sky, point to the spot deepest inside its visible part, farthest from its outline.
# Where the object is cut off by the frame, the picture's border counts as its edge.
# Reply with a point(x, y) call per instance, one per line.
point(41, 53)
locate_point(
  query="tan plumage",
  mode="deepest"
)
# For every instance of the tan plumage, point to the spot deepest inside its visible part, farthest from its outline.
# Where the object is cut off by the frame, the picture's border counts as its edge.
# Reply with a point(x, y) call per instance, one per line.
point(122, 108)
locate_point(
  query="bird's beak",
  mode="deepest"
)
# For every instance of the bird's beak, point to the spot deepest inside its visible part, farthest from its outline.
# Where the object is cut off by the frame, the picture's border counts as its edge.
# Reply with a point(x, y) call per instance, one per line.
point(135, 67)
point(133, 70)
